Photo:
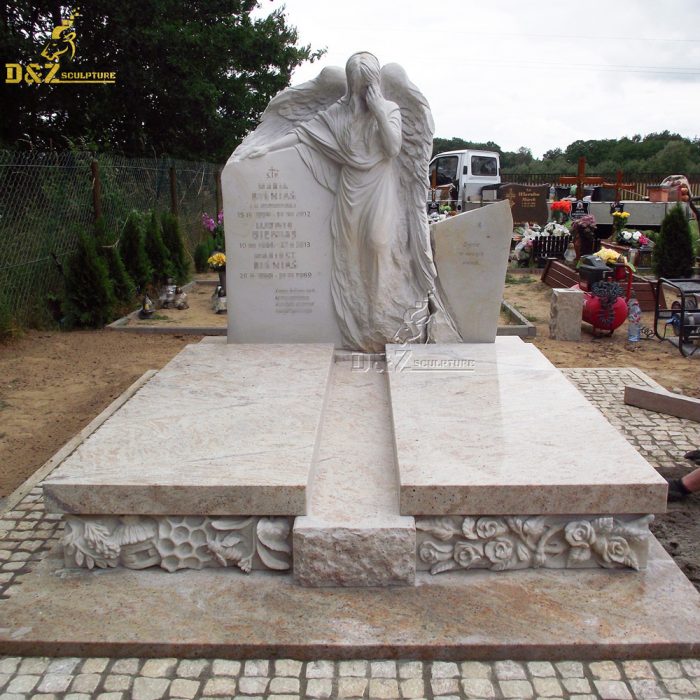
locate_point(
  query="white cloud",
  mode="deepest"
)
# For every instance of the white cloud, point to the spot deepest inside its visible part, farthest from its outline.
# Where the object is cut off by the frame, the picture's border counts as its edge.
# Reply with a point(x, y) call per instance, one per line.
point(536, 74)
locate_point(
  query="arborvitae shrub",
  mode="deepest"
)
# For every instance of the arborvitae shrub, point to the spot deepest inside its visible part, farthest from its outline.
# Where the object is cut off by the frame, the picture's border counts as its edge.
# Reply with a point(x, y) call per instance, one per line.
point(673, 253)
point(133, 251)
point(8, 328)
point(202, 253)
point(89, 293)
point(123, 285)
point(157, 252)
point(174, 242)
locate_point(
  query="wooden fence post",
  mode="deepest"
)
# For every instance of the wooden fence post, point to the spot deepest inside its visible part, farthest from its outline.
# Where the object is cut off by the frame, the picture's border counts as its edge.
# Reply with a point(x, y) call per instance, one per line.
point(96, 190)
point(219, 193)
point(173, 191)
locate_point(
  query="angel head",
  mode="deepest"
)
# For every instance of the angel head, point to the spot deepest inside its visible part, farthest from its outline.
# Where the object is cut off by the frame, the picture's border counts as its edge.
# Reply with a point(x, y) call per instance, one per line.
point(362, 70)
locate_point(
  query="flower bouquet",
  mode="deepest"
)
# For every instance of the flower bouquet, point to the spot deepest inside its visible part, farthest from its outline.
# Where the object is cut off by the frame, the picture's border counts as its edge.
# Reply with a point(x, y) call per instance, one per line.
point(619, 220)
point(634, 239)
point(555, 229)
point(561, 210)
point(217, 262)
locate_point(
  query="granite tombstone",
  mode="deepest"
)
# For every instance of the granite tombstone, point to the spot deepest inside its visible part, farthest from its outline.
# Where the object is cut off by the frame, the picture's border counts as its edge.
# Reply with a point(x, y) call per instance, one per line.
point(528, 203)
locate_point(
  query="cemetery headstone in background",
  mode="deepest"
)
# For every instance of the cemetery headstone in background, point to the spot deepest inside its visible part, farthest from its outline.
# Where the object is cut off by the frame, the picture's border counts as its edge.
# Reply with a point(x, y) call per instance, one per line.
point(528, 203)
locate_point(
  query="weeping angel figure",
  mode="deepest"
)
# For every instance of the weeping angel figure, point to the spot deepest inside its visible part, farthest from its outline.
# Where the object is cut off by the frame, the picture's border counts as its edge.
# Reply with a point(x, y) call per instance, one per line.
point(367, 137)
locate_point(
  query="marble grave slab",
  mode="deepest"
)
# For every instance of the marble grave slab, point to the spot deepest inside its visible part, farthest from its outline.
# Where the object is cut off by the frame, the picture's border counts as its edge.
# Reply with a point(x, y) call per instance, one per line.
point(221, 430)
point(496, 429)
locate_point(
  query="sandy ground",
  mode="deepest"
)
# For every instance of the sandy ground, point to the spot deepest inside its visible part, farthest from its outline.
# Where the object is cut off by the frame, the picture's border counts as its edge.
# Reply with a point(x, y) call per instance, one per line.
point(199, 314)
point(52, 384)
point(659, 359)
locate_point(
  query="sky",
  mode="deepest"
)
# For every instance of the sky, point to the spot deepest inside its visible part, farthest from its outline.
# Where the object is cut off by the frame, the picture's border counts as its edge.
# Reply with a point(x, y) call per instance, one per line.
point(532, 73)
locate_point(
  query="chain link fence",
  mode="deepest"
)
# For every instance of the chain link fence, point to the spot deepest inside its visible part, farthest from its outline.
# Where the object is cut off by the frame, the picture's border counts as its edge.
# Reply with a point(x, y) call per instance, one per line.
point(46, 198)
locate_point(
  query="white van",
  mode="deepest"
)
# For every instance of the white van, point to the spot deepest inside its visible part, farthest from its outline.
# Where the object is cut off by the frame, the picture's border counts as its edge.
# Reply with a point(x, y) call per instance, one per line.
point(459, 176)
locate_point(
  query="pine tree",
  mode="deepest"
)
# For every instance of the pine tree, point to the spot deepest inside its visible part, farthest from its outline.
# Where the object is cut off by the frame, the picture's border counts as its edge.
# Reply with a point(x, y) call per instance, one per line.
point(89, 292)
point(157, 252)
point(673, 254)
point(174, 242)
point(123, 285)
point(133, 251)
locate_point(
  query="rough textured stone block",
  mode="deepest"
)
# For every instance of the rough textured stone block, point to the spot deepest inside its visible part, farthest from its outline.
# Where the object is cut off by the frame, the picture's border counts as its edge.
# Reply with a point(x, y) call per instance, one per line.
point(354, 534)
point(565, 314)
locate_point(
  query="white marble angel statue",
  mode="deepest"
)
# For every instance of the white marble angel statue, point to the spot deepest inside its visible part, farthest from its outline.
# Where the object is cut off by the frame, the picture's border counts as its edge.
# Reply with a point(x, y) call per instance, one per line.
point(367, 140)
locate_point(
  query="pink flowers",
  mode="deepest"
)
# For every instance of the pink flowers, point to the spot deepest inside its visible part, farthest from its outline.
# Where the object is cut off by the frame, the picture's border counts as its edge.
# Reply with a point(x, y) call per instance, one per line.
point(209, 223)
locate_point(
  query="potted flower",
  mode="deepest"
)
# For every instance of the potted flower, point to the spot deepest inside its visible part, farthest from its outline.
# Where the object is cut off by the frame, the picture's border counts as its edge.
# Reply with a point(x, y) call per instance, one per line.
point(217, 262)
point(561, 210)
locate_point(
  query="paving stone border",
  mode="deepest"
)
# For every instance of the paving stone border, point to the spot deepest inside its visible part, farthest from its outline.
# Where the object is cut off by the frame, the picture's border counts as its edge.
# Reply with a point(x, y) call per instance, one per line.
point(284, 679)
point(27, 532)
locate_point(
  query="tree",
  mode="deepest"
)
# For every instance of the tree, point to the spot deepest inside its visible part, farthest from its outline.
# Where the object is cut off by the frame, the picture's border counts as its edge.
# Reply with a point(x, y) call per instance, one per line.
point(673, 253)
point(89, 293)
point(192, 77)
point(174, 242)
point(157, 252)
point(133, 251)
point(122, 284)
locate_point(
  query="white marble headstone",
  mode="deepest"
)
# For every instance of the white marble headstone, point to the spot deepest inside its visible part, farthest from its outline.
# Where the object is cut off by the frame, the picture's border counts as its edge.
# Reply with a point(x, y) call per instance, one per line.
point(471, 256)
point(279, 251)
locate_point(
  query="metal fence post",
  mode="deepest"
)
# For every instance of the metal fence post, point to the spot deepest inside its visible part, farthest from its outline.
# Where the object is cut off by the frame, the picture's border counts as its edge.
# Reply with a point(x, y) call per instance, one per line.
point(173, 191)
point(219, 194)
point(96, 189)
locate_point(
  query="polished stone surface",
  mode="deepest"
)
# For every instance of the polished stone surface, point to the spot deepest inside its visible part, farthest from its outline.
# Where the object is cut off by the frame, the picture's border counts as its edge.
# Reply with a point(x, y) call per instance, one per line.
point(553, 615)
point(279, 273)
point(496, 429)
point(353, 534)
point(221, 430)
point(471, 255)
point(365, 136)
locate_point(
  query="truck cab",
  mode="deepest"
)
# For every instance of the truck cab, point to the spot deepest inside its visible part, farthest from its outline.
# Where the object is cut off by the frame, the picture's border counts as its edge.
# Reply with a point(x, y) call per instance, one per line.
point(459, 176)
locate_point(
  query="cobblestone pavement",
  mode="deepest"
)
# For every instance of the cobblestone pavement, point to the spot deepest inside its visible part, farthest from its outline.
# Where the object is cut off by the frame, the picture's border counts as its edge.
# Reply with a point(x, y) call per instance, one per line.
point(27, 533)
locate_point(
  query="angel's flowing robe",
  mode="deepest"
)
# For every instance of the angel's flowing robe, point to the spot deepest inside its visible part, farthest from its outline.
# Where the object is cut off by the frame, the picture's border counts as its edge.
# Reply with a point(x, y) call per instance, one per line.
point(377, 294)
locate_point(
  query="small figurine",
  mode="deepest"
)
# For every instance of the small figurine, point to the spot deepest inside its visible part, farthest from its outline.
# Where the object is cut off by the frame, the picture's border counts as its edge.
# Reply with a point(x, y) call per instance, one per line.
point(147, 307)
point(167, 297)
point(220, 301)
point(180, 301)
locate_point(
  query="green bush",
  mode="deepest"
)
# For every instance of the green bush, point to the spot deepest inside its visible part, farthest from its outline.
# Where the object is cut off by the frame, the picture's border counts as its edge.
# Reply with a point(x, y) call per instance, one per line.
point(157, 252)
point(89, 291)
point(673, 253)
point(175, 243)
point(132, 249)
point(123, 286)
point(202, 253)
point(8, 327)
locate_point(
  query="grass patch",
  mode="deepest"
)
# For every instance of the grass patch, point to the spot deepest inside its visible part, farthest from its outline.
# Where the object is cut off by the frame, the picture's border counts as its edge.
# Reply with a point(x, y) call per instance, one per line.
point(518, 279)
point(529, 317)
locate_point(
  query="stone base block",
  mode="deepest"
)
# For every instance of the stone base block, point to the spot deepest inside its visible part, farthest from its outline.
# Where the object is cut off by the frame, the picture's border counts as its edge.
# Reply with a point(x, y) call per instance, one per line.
point(533, 614)
point(326, 555)
point(565, 314)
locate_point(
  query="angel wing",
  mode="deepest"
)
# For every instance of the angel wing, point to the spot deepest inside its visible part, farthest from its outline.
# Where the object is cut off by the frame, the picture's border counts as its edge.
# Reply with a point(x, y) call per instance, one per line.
point(412, 163)
point(293, 106)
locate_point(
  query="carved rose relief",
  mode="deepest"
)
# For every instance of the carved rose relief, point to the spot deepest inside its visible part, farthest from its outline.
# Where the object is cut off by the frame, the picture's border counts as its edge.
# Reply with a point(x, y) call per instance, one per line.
point(510, 542)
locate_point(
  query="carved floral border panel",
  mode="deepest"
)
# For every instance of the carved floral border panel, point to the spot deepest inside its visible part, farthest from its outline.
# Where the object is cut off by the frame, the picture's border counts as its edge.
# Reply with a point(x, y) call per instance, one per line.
point(505, 543)
point(178, 542)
